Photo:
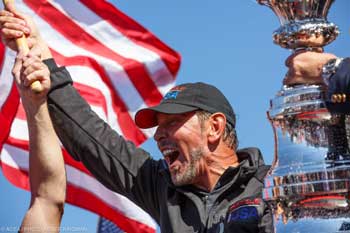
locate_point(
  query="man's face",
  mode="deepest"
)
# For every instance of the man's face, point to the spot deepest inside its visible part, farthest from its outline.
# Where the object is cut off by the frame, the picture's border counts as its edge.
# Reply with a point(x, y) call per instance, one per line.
point(181, 141)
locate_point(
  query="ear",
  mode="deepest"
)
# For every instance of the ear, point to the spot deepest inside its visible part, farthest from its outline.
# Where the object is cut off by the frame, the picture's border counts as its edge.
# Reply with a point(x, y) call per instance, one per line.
point(217, 124)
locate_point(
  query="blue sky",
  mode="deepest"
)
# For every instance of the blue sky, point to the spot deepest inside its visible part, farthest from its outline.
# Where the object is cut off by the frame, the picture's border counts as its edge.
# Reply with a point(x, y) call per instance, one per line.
point(227, 43)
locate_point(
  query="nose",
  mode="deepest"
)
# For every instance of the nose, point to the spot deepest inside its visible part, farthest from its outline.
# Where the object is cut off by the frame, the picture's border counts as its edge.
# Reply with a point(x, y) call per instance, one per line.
point(159, 134)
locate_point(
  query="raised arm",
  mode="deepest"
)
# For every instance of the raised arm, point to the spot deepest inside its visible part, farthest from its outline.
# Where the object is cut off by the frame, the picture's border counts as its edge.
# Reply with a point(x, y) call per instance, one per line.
point(115, 162)
point(46, 166)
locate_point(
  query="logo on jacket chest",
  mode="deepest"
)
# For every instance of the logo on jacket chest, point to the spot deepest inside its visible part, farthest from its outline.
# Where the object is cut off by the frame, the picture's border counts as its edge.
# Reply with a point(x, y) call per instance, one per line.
point(244, 210)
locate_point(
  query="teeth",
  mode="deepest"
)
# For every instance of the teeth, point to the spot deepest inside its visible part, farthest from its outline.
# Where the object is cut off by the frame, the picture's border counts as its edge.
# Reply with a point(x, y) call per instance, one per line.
point(167, 152)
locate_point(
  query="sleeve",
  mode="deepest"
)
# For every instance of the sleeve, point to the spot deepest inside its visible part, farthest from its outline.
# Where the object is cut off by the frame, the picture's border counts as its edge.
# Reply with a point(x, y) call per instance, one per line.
point(266, 222)
point(116, 163)
point(339, 83)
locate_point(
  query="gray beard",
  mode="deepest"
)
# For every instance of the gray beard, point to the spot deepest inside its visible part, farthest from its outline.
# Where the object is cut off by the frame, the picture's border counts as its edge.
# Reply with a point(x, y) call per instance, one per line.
point(190, 173)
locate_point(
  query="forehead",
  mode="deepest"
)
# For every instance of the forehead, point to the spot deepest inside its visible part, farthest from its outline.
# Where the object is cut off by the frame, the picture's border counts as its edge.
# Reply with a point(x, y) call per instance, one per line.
point(163, 117)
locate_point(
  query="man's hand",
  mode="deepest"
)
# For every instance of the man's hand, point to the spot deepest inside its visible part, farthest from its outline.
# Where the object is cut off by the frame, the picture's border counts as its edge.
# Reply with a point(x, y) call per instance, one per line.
point(14, 25)
point(306, 67)
point(26, 70)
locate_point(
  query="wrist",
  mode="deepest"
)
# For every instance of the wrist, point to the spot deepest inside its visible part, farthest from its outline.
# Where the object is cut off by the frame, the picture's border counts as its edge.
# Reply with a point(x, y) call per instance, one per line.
point(51, 64)
point(34, 108)
point(330, 68)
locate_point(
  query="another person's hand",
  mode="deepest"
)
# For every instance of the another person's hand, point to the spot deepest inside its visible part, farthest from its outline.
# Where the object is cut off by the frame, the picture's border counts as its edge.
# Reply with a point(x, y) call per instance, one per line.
point(306, 67)
point(26, 70)
point(14, 25)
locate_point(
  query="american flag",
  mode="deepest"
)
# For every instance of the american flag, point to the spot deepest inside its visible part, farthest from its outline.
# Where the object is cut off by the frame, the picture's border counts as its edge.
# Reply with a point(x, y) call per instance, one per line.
point(117, 66)
point(105, 226)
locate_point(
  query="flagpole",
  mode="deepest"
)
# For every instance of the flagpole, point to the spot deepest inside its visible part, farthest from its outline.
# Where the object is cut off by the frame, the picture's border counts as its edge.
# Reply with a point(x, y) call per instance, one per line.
point(23, 47)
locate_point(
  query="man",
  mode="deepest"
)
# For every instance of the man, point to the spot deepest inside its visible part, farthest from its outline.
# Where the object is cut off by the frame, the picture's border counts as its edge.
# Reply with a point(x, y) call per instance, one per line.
point(46, 166)
point(204, 184)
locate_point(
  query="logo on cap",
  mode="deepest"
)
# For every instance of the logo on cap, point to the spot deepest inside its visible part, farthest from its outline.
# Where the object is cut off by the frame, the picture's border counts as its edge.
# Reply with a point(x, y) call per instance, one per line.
point(173, 93)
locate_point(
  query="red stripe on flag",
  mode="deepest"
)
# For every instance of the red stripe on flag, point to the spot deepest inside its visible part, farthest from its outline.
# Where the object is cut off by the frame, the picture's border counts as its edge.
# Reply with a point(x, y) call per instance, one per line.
point(7, 113)
point(2, 52)
point(24, 145)
point(135, 32)
point(86, 200)
point(21, 114)
point(17, 177)
point(139, 76)
point(92, 95)
point(95, 97)
point(82, 198)
point(134, 69)
point(126, 123)
point(9, 108)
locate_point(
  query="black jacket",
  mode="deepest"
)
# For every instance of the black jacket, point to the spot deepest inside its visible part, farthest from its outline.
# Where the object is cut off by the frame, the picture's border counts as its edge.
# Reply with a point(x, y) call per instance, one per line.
point(235, 205)
point(339, 83)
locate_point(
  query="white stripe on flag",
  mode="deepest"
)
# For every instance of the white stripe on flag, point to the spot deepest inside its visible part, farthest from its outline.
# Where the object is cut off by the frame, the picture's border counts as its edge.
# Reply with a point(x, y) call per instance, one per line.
point(116, 41)
point(6, 77)
point(87, 76)
point(116, 72)
point(18, 158)
point(19, 129)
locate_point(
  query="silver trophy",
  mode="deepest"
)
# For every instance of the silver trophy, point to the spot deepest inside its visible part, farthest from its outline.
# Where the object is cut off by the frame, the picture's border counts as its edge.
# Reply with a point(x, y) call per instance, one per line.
point(309, 182)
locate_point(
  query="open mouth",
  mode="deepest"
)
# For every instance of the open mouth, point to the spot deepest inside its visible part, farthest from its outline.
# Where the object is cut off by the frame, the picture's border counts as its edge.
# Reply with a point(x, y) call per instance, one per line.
point(170, 155)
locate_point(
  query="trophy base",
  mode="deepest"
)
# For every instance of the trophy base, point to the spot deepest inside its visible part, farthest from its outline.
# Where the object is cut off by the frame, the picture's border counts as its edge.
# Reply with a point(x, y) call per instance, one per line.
point(309, 182)
point(312, 224)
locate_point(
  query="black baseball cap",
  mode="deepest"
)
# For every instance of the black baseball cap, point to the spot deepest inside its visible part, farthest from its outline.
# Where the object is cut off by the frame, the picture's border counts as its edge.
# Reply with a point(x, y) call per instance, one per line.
point(184, 98)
